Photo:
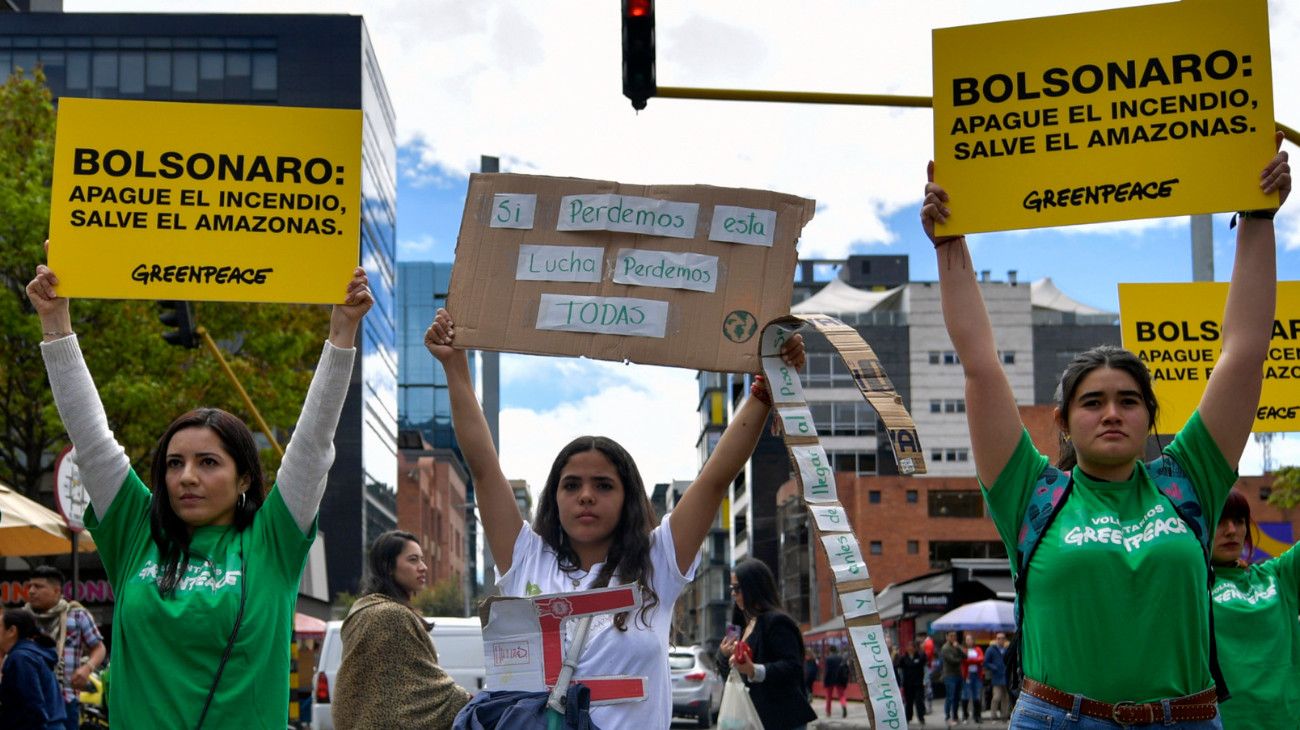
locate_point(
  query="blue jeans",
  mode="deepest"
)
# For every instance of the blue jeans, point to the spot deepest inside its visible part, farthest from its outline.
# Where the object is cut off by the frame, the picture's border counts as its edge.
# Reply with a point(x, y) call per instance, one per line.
point(1032, 713)
point(975, 693)
point(72, 720)
point(951, 697)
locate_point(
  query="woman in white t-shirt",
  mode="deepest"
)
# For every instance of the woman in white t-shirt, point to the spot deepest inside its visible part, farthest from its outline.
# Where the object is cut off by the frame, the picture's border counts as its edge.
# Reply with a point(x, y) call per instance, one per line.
point(595, 527)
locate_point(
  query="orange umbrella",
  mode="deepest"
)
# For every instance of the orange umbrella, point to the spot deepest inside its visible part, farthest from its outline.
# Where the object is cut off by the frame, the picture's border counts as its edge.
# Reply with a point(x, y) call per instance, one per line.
point(27, 528)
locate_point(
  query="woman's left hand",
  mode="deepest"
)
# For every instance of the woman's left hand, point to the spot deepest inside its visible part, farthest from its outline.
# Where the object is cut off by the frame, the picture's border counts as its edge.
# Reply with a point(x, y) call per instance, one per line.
point(345, 318)
point(745, 666)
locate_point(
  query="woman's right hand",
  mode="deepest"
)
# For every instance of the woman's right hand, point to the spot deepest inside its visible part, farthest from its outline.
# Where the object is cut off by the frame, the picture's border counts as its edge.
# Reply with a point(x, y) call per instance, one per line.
point(49, 306)
point(934, 208)
point(439, 337)
point(727, 646)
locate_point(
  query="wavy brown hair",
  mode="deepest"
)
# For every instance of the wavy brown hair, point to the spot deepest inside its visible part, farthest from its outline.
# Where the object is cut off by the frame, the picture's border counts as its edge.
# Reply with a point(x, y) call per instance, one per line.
point(629, 554)
point(1101, 356)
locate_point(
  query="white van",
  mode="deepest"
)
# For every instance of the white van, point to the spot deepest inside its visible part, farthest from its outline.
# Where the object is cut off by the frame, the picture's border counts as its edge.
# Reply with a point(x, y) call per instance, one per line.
point(459, 642)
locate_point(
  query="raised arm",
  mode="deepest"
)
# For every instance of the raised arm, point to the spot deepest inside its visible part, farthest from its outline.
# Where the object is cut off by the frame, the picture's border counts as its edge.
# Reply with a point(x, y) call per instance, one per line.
point(1232, 393)
point(102, 460)
point(501, 518)
point(991, 412)
point(695, 512)
point(307, 458)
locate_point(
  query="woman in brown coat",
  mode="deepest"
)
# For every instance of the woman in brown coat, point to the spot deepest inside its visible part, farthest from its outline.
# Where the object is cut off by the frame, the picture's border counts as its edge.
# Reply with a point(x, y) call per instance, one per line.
point(389, 676)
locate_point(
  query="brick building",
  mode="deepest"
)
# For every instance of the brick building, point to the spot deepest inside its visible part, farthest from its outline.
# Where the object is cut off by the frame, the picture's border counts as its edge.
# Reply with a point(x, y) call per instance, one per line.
point(431, 505)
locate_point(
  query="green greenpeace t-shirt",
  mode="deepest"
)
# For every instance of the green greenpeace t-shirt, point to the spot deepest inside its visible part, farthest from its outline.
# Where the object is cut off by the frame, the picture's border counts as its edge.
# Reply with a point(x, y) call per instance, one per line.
point(1259, 643)
point(166, 650)
point(1117, 604)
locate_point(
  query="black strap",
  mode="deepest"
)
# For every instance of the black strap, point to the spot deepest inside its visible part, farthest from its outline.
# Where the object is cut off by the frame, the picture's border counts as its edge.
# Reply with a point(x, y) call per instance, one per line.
point(234, 632)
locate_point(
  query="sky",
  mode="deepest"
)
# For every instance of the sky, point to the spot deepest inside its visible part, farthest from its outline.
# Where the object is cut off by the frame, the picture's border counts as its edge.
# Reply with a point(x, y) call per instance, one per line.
point(538, 85)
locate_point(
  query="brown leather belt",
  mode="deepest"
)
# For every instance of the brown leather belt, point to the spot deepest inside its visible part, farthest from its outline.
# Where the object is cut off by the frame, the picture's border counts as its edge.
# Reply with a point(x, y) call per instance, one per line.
point(1200, 706)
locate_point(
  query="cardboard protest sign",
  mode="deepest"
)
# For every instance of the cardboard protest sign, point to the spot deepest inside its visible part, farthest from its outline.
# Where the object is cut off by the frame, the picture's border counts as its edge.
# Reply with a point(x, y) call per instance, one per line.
point(525, 640)
point(1140, 112)
point(1177, 329)
point(678, 275)
point(160, 200)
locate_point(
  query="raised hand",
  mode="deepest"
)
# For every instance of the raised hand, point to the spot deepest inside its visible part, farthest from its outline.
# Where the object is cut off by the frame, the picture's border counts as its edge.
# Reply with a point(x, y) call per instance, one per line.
point(345, 318)
point(440, 336)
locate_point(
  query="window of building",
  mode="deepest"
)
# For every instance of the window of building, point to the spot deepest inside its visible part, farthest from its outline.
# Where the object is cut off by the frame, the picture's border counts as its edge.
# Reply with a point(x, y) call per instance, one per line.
point(934, 357)
point(912, 496)
point(1009, 357)
point(955, 503)
point(873, 496)
point(936, 406)
point(913, 547)
point(942, 553)
point(936, 455)
point(950, 358)
point(877, 548)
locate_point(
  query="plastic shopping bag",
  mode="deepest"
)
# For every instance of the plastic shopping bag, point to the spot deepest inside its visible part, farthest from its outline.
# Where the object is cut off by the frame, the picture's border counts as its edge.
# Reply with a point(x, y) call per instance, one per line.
point(737, 711)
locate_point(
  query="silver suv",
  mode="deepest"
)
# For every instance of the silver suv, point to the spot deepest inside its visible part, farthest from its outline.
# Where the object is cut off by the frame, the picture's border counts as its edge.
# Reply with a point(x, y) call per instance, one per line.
point(697, 688)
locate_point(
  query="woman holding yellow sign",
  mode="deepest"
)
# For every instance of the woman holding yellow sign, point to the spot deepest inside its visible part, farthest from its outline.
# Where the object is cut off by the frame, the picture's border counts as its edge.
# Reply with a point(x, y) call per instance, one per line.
point(1117, 631)
point(204, 562)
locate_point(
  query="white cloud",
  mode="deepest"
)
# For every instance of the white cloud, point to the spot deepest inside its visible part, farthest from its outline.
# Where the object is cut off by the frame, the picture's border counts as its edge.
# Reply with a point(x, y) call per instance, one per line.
point(417, 247)
point(651, 413)
point(1285, 451)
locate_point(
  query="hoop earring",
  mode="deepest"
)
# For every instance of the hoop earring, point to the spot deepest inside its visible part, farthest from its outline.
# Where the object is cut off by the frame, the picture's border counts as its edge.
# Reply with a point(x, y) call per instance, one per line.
point(243, 501)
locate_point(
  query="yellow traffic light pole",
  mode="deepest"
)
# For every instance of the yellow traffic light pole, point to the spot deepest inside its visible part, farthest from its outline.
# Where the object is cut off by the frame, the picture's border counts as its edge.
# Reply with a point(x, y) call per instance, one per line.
point(812, 97)
point(202, 331)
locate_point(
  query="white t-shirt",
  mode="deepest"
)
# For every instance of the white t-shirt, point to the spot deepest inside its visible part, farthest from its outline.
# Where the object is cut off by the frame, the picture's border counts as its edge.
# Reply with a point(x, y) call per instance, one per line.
point(637, 652)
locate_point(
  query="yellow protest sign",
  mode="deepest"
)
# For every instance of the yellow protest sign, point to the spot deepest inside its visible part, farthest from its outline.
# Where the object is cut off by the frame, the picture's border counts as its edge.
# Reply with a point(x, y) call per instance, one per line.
point(1141, 112)
point(1177, 329)
point(161, 200)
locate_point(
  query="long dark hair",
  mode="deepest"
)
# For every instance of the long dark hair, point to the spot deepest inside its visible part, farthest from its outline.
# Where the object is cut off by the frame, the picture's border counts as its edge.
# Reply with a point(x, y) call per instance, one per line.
point(169, 531)
point(629, 555)
point(1085, 362)
point(25, 621)
point(758, 587)
point(1237, 508)
point(380, 562)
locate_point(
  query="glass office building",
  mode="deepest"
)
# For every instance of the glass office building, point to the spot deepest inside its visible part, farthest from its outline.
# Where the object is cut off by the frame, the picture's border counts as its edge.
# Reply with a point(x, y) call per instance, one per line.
point(286, 60)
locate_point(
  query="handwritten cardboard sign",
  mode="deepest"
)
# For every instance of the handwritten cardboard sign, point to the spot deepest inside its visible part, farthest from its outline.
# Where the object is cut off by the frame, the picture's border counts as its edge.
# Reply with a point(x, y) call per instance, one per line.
point(681, 275)
point(161, 200)
point(1177, 330)
point(525, 643)
point(1140, 112)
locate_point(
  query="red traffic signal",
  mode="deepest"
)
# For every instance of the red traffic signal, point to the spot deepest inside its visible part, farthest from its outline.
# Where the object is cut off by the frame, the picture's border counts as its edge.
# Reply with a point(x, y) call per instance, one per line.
point(639, 51)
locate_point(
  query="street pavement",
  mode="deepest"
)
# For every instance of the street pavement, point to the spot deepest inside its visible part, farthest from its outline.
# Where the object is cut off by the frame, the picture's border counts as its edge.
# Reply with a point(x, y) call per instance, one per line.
point(857, 719)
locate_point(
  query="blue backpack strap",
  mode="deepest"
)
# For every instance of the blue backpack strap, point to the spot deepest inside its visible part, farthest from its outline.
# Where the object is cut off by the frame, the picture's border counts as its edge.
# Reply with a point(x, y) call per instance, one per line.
point(1045, 501)
point(1177, 487)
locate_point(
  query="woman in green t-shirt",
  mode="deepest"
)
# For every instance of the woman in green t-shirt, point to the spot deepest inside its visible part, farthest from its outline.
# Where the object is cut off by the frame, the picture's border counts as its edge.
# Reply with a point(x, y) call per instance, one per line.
point(1116, 628)
point(204, 561)
point(1255, 608)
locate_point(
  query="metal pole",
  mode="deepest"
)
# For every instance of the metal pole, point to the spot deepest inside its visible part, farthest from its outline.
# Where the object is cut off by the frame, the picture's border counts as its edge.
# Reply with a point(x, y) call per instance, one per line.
point(1202, 248)
point(794, 97)
point(76, 566)
point(202, 331)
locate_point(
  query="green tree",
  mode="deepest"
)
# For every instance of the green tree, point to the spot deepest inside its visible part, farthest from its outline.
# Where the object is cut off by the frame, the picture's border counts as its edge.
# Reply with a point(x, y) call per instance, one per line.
point(1286, 490)
point(444, 598)
point(143, 381)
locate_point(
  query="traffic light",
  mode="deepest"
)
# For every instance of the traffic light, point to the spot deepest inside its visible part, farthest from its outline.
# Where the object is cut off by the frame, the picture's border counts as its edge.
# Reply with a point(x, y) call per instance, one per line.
point(639, 51)
point(178, 314)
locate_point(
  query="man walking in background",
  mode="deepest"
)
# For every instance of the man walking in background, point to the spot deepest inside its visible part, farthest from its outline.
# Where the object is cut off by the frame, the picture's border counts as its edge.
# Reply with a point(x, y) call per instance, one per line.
point(79, 645)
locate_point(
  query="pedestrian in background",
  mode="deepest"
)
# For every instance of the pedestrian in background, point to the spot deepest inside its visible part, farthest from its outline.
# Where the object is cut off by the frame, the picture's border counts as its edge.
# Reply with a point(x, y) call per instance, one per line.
point(1255, 608)
point(29, 691)
point(972, 667)
point(204, 561)
point(836, 681)
point(995, 663)
point(952, 656)
point(77, 640)
point(773, 666)
point(809, 670)
point(911, 668)
point(1103, 667)
point(389, 675)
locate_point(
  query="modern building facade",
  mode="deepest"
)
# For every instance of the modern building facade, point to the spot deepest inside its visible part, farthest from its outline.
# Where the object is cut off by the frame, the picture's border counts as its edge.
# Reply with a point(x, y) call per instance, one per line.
point(423, 404)
point(283, 60)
